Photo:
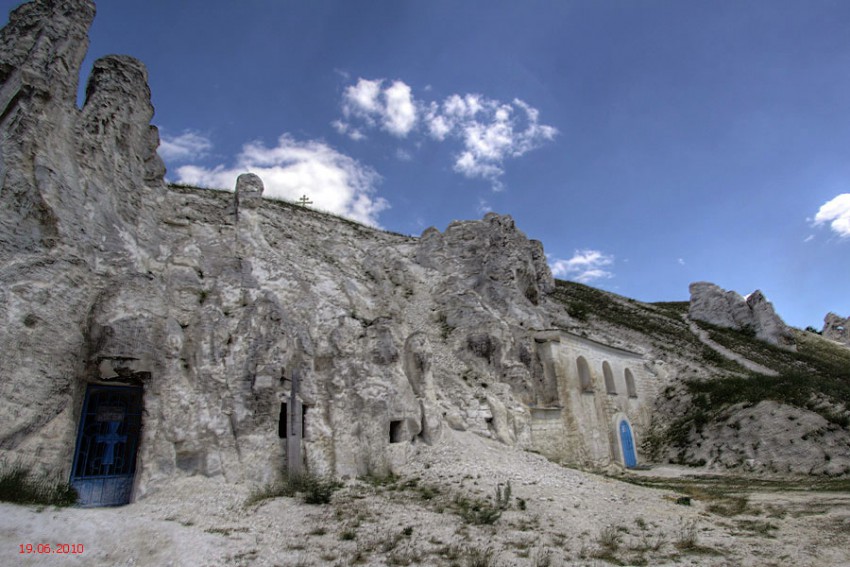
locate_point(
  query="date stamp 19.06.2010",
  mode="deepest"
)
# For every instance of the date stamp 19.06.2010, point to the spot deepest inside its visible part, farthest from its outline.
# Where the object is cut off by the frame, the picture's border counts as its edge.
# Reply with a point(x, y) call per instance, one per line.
point(55, 548)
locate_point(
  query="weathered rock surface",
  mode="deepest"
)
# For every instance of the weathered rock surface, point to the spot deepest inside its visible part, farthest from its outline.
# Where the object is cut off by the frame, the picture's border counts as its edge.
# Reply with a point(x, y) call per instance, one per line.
point(837, 328)
point(211, 301)
point(772, 438)
point(714, 305)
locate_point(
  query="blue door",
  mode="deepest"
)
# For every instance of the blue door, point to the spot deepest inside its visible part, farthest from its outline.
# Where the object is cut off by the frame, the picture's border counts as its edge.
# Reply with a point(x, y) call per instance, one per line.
point(105, 456)
point(628, 445)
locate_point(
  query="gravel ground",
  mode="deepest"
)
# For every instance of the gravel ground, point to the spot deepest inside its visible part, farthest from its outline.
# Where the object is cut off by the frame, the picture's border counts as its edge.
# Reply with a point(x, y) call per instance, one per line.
point(556, 516)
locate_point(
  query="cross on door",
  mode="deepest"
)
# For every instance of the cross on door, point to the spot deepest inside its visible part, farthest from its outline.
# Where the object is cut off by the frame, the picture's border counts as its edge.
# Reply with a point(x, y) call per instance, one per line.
point(111, 439)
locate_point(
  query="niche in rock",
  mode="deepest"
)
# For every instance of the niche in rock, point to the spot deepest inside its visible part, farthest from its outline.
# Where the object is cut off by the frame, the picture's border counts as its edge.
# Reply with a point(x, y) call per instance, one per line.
point(396, 431)
point(283, 420)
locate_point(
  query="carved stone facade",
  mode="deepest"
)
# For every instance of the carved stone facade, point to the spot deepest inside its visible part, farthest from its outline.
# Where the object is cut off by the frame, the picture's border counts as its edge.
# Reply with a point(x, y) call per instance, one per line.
point(598, 388)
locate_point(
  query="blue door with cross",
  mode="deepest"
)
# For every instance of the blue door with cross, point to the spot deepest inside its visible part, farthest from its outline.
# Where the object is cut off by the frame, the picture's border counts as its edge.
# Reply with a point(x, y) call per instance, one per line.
point(105, 456)
point(628, 445)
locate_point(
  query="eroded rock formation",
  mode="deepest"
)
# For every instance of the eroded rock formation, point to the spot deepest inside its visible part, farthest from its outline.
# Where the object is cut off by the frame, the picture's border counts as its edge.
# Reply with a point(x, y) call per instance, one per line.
point(211, 301)
point(715, 305)
point(837, 328)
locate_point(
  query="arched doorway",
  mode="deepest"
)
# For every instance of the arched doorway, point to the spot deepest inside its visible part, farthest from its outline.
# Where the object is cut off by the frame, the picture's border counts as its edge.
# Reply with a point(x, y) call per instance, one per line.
point(107, 441)
point(627, 443)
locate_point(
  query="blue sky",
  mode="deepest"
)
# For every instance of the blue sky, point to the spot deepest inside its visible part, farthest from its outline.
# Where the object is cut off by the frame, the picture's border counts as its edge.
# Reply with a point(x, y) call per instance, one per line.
point(647, 144)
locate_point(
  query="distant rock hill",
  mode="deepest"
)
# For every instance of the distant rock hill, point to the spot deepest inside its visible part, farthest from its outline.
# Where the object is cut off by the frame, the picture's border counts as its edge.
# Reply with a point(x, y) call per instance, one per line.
point(837, 328)
point(158, 329)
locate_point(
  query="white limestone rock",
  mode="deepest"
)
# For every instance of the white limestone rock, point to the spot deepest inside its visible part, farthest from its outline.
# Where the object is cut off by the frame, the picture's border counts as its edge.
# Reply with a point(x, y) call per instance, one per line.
point(772, 438)
point(837, 328)
point(712, 304)
point(211, 300)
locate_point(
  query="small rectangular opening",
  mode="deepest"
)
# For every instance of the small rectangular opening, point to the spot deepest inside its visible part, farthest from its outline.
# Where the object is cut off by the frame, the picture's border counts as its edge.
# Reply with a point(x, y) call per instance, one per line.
point(395, 431)
point(282, 421)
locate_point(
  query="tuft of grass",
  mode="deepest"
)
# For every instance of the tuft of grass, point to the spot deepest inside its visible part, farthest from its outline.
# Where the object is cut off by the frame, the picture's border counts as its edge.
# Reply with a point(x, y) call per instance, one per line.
point(503, 496)
point(314, 489)
point(477, 557)
point(729, 506)
point(19, 485)
point(477, 511)
point(688, 538)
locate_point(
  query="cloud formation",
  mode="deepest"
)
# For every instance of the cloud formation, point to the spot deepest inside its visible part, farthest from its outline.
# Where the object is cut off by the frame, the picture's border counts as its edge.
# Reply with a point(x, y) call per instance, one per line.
point(489, 131)
point(333, 181)
point(391, 108)
point(187, 146)
point(836, 212)
point(585, 266)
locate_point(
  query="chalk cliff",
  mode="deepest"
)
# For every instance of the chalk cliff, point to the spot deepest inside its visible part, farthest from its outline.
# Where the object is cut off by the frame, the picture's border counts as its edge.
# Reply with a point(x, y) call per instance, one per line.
point(713, 304)
point(211, 301)
point(837, 328)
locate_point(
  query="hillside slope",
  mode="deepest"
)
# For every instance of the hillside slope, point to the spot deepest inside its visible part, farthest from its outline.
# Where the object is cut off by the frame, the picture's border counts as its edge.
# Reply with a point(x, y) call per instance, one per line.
point(718, 412)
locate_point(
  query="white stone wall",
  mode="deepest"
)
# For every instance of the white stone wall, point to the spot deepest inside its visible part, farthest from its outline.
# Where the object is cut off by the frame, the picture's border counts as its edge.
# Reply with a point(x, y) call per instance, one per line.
point(590, 415)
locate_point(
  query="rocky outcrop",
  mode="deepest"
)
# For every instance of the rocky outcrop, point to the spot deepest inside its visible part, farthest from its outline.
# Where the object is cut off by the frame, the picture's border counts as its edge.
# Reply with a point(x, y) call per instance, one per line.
point(712, 304)
point(211, 301)
point(771, 438)
point(837, 328)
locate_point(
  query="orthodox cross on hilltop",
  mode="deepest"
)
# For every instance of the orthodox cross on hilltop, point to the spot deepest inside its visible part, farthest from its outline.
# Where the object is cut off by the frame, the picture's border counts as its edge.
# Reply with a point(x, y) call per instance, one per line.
point(304, 201)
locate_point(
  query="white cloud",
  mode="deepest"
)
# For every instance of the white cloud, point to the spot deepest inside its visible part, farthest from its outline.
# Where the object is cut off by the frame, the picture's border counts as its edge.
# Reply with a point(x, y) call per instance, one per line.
point(392, 108)
point(837, 213)
point(362, 99)
point(585, 266)
point(347, 130)
point(187, 146)
point(681, 261)
point(403, 155)
point(489, 131)
point(809, 238)
point(483, 207)
point(399, 113)
point(334, 182)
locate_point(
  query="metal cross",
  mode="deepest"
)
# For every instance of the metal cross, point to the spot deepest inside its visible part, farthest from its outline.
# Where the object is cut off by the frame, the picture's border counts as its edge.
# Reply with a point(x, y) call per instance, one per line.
point(304, 201)
point(111, 439)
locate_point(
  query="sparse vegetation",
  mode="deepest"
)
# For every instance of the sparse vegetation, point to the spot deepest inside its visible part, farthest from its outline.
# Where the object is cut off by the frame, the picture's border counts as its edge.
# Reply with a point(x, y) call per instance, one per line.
point(662, 322)
point(688, 539)
point(226, 195)
point(503, 496)
point(314, 489)
point(476, 511)
point(19, 485)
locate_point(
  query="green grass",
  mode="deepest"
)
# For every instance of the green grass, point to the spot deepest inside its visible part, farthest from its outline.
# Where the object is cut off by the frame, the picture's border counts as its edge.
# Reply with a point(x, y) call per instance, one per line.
point(662, 322)
point(20, 486)
point(815, 378)
point(817, 371)
point(727, 487)
point(314, 489)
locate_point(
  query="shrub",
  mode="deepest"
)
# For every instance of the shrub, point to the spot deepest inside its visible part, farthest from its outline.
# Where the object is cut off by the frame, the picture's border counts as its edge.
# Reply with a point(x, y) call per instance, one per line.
point(476, 511)
point(688, 539)
point(313, 488)
point(503, 497)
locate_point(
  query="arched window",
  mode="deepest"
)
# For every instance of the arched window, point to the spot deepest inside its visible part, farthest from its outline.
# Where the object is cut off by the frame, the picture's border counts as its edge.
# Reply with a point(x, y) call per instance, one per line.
point(630, 384)
point(609, 378)
point(584, 379)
